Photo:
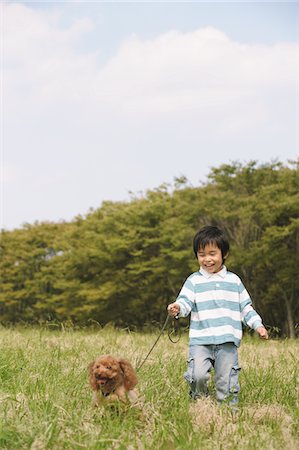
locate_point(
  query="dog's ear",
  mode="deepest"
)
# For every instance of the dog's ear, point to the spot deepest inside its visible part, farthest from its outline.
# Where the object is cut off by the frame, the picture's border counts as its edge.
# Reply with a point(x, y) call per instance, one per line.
point(130, 377)
point(91, 376)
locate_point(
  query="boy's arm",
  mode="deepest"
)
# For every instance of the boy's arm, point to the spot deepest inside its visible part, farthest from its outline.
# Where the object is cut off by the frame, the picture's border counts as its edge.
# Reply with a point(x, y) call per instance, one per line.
point(249, 316)
point(184, 302)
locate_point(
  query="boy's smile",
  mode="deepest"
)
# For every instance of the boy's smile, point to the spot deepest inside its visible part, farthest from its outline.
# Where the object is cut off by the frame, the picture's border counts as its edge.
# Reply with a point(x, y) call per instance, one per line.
point(210, 258)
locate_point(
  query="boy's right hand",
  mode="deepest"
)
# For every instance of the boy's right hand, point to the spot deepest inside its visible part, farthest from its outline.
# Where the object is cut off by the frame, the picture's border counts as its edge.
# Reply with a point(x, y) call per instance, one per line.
point(173, 309)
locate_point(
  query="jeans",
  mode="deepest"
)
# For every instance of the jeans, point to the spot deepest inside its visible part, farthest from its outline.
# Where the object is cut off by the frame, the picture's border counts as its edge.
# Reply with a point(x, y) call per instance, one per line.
point(224, 359)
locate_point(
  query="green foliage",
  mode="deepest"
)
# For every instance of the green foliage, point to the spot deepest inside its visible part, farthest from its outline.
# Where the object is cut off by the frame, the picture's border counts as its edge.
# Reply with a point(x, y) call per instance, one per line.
point(124, 262)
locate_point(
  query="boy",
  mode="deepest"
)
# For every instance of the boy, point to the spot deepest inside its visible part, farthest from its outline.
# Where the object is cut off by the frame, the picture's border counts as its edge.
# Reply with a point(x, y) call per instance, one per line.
point(218, 303)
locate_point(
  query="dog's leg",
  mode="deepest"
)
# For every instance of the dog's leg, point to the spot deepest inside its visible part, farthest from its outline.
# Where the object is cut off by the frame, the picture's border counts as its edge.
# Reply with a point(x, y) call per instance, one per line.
point(132, 396)
point(120, 394)
point(95, 399)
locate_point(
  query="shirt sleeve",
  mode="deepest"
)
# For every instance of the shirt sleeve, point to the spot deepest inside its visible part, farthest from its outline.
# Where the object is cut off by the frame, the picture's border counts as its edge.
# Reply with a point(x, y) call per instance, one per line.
point(186, 298)
point(249, 316)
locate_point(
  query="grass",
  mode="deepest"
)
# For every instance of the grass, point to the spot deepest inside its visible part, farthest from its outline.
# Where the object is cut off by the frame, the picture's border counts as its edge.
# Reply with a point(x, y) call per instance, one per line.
point(45, 400)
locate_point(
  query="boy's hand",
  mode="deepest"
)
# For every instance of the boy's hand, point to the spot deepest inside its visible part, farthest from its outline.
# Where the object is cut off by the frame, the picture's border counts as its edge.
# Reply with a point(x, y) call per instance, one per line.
point(262, 332)
point(173, 309)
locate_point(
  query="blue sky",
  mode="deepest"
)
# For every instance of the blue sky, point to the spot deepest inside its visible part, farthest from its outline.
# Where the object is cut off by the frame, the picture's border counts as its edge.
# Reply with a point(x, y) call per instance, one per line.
point(100, 99)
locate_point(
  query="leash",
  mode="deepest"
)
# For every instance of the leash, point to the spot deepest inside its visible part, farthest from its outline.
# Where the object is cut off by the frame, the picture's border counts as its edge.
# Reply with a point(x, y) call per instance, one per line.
point(172, 332)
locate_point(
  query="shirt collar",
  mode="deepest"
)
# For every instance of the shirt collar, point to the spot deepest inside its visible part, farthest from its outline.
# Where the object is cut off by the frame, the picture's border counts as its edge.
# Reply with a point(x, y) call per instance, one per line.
point(221, 272)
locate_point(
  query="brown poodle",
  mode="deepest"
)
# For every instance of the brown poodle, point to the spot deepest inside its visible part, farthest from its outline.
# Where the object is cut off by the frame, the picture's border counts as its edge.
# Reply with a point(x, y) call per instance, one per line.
point(112, 379)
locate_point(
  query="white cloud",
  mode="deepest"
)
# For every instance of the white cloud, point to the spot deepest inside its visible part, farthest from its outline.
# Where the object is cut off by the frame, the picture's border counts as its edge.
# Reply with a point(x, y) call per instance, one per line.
point(156, 99)
point(32, 33)
point(197, 70)
point(200, 71)
point(9, 173)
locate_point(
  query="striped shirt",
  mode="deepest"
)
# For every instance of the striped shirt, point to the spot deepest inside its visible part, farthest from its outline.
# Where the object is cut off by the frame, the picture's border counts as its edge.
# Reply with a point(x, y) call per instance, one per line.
point(218, 303)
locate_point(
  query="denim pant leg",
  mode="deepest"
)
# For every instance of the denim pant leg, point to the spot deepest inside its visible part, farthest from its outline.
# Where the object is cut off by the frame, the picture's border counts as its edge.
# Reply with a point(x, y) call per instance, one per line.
point(199, 366)
point(226, 373)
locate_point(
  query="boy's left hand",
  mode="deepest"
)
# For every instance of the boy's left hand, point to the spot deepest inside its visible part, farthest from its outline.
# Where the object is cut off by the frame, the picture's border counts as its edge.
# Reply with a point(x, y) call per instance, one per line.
point(262, 332)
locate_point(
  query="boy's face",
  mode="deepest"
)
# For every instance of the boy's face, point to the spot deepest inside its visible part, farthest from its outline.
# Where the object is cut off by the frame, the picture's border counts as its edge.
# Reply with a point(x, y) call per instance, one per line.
point(210, 258)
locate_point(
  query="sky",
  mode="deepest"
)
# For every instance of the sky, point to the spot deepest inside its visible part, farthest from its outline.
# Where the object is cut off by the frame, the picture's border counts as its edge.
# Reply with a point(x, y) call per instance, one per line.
point(100, 100)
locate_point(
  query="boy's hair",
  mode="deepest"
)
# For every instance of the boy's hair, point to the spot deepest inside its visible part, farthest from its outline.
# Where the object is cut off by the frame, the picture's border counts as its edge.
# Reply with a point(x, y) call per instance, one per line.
point(211, 235)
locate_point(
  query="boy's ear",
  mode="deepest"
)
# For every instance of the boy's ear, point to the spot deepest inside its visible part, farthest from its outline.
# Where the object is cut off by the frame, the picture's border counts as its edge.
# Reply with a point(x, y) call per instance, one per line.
point(225, 256)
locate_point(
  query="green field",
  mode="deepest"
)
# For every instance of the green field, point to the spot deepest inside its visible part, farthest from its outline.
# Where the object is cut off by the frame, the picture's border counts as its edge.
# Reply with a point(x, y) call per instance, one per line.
point(45, 399)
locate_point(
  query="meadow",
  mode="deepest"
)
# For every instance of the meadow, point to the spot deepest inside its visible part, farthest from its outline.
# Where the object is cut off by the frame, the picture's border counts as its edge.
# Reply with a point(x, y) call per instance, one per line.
point(45, 399)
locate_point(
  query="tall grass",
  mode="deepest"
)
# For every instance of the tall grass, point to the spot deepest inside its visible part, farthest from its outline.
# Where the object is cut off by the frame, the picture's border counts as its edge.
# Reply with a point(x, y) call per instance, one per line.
point(45, 399)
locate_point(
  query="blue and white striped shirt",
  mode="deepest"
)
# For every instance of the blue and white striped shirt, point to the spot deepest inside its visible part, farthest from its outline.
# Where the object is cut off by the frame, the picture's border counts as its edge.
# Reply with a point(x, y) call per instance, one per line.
point(218, 303)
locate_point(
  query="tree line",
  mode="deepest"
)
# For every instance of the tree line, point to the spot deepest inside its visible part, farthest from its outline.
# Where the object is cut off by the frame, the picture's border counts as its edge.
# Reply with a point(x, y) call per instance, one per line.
point(125, 261)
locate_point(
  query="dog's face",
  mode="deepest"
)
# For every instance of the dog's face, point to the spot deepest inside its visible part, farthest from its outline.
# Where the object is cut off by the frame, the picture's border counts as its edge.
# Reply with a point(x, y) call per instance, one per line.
point(104, 370)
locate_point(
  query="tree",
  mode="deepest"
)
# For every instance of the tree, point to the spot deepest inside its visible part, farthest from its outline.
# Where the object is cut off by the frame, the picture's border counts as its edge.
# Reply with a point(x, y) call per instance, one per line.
point(125, 261)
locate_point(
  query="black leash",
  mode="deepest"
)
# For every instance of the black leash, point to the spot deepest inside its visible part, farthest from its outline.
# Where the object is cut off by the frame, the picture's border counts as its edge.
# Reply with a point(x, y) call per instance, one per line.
point(174, 333)
point(171, 332)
